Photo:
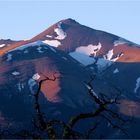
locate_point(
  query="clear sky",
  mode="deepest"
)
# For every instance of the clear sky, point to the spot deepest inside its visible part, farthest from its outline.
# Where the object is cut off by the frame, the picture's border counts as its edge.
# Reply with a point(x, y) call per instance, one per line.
point(23, 19)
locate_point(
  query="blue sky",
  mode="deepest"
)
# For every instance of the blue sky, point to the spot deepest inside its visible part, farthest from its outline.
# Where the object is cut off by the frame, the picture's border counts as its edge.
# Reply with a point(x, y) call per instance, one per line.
point(23, 19)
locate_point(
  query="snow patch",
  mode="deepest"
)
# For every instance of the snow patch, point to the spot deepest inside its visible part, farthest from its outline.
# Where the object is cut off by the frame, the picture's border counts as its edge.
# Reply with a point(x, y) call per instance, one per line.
point(117, 57)
point(15, 73)
point(2, 45)
point(107, 60)
point(49, 36)
point(83, 53)
point(116, 71)
point(90, 49)
point(137, 85)
point(54, 43)
point(120, 41)
point(39, 50)
point(59, 31)
point(37, 43)
point(9, 57)
point(109, 55)
point(36, 76)
point(32, 81)
point(82, 58)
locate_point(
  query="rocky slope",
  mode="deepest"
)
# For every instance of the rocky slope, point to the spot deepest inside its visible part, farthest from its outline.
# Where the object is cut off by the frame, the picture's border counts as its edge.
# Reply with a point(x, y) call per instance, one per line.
point(72, 52)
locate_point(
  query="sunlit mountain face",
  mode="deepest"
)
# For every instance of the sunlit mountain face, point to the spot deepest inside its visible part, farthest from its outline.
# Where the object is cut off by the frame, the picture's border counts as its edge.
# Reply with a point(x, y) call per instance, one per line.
point(73, 53)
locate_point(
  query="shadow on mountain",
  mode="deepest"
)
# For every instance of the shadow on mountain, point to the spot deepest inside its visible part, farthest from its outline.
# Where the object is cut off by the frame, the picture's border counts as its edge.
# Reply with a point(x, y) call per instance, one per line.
point(17, 102)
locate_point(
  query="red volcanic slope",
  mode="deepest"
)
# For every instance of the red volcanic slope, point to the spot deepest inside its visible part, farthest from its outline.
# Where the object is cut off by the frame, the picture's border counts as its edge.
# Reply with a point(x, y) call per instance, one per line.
point(79, 35)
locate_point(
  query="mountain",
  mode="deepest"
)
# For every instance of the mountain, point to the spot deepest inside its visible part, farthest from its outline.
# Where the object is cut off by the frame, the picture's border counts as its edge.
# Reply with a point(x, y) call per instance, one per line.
point(72, 52)
point(6, 42)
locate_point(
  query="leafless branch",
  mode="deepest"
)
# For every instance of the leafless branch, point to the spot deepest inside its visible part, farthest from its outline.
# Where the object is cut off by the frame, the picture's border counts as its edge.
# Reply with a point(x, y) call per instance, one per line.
point(103, 102)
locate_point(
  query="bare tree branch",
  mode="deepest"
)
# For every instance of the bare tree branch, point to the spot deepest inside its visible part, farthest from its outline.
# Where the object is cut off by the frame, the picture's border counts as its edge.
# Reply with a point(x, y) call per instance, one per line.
point(103, 102)
point(103, 107)
point(40, 119)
